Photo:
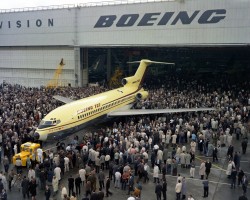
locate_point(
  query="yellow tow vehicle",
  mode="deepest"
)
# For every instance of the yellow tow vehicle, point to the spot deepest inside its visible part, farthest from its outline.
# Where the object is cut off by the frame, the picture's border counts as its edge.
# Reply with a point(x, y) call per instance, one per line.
point(28, 149)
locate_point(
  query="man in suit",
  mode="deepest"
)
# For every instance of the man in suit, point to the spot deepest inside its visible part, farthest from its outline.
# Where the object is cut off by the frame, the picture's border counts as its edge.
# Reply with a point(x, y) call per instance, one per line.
point(158, 190)
point(71, 182)
point(164, 189)
point(208, 166)
point(107, 187)
point(78, 182)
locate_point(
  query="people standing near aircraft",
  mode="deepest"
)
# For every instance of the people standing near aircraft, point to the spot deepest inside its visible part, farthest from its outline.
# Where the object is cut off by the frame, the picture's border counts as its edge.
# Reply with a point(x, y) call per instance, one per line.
point(6, 164)
point(71, 182)
point(107, 160)
point(57, 172)
point(31, 174)
point(192, 169)
point(229, 169)
point(233, 178)
point(40, 155)
point(183, 188)
point(156, 174)
point(164, 189)
point(174, 137)
point(42, 179)
point(178, 190)
point(244, 184)
point(32, 188)
point(240, 176)
point(174, 167)
point(202, 170)
point(205, 187)
point(66, 164)
point(215, 152)
point(47, 192)
point(244, 145)
point(230, 152)
point(158, 191)
point(55, 184)
point(187, 160)
point(82, 174)
point(108, 187)
point(97, 164)
point(101, 178)
point(182, 159)
point(208, 166)
point(78, 182)
point(64, 192)
point(25, 187)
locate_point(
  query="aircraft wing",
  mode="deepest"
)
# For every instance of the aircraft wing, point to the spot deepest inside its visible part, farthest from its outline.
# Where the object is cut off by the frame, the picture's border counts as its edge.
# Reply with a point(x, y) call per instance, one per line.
point(155, 111)
point(63, 99)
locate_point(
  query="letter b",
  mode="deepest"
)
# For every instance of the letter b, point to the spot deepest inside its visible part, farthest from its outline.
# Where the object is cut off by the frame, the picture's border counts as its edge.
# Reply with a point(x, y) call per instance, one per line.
point(105, 21)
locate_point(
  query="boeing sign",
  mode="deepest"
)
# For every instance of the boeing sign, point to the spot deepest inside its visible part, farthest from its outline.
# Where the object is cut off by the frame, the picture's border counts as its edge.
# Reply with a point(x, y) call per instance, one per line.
point(158, 19)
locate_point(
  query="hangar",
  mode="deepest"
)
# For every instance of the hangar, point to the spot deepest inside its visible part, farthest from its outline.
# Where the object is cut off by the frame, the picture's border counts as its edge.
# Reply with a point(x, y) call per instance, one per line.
point(200, 36)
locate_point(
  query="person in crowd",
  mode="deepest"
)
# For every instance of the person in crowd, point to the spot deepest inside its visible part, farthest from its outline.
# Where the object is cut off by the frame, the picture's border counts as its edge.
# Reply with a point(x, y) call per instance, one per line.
point(78, 182)
point(32, 188)
point(205, 188)
point(108, 187)
point(25, 187)
point(64, 192)
point(71, 182)
point(178, 190)
point(208, 166)
point(55, 184)
point(47, 192)
point(202, 170)
point(158, 190)
point(164, 189)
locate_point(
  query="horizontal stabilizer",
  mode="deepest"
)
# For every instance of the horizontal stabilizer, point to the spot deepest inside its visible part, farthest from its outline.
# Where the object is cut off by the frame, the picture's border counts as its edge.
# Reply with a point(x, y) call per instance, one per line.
point(63, 99)
point(156, 111)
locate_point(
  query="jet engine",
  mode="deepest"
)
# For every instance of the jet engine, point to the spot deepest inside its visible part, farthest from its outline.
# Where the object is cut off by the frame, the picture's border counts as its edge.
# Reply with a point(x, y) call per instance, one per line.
point(127, 80)
point(141, 95)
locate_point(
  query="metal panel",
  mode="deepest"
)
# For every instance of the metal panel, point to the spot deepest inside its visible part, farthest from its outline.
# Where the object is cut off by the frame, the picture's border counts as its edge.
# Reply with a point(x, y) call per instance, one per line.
point(49, 27)
point(77, 26)
point(36, 66)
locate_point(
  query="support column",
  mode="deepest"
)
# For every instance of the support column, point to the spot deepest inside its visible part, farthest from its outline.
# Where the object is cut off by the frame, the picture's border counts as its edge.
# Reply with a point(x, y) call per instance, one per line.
point(108, 64)
point(85, 65)
point(78, 74)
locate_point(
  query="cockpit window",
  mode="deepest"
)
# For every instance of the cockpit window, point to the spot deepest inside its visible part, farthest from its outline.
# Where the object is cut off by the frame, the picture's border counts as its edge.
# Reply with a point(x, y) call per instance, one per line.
point(49, 123)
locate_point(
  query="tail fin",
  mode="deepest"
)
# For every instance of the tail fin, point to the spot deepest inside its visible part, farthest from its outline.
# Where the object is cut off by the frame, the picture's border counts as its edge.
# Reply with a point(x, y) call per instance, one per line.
point(137, 79)
point(143, 66)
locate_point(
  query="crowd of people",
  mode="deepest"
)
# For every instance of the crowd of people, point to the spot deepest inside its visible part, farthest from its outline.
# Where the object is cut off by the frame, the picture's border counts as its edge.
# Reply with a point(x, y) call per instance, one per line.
point(130, 150)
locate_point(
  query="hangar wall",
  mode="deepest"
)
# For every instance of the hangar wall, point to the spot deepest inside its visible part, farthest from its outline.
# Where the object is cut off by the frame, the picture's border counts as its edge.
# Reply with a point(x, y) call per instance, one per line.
point(165, 23)
point(35, 66)
point(33, 42)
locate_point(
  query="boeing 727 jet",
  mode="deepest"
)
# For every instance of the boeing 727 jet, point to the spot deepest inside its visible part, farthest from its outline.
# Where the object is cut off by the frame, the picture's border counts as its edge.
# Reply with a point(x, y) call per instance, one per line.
point(75, 115)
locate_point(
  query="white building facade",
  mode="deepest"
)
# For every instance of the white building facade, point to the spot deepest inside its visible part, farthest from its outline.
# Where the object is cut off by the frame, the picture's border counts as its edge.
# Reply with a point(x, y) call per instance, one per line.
point(32, 43)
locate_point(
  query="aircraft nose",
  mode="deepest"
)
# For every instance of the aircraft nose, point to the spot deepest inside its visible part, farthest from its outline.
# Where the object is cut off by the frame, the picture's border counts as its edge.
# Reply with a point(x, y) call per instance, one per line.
point(36, 136)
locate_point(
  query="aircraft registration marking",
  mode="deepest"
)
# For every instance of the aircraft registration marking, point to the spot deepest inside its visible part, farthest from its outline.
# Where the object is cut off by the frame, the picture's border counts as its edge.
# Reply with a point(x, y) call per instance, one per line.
point(88, 108)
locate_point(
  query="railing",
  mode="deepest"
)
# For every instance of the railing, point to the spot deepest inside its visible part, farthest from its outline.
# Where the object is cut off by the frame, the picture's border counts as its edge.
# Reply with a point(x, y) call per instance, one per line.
point(89, 4)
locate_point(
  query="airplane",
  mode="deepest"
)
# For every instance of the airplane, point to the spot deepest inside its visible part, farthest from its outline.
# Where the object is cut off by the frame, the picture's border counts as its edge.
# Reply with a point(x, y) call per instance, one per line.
point(73, 116)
